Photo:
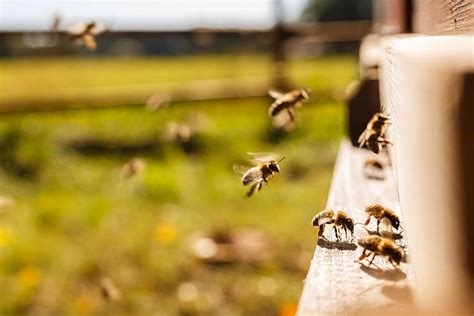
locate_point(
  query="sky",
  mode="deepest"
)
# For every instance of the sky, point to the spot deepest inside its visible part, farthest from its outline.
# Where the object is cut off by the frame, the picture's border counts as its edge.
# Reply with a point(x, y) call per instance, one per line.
point(23, 15)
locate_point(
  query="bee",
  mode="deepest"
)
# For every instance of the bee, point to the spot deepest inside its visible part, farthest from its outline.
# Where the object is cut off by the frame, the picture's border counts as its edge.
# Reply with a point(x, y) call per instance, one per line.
point(373, 169)
point(374, 135)
point(287, 101)
point(109, 290)
point(339, 219)
point(379, 246)
point(56, 23)
point(375, 142)
point(382, 213)
point(267, 166)
point(372, 163)
point(178, 132)
point(85, 33)
point(133, 167)
point(157, 101)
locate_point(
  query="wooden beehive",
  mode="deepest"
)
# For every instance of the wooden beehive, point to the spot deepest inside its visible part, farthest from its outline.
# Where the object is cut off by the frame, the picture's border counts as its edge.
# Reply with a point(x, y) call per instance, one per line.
point(426, 83)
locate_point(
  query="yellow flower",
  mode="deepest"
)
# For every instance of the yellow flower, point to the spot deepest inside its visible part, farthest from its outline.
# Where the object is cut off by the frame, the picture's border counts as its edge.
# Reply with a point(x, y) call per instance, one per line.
point(6, 236)
point(287, 309)
point(165, 233)
point(29, 277)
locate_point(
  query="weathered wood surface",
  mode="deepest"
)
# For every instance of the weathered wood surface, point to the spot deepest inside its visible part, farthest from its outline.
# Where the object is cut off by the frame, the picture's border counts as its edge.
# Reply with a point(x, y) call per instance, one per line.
point(443, 16)
point(335, 283)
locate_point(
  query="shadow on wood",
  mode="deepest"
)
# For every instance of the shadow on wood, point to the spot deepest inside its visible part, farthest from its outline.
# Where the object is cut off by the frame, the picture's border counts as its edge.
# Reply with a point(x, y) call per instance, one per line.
point(390, 275)
point(399, 294)
point(341, 245)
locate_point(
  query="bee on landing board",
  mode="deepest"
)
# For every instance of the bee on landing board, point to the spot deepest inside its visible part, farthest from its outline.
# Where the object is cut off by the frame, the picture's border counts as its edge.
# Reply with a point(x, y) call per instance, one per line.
point(373, 169)
point(266, 167)
point(379, 246)
point(339, 219)
point(374, 134)
point(383, 215)
point(85, 33)
point(287, 102)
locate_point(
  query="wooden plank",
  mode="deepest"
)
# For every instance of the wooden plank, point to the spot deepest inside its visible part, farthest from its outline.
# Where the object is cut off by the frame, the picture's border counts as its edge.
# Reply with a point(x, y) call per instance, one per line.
point(335, 283)
point(438, 17)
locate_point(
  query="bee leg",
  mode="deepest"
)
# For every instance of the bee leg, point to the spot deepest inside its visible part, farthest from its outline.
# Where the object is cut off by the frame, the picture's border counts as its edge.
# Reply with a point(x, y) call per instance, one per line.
point(373, 257)
point(393, 264)
point(321, 230)
point(378, 223)
point(367, 221)
point(345, 231)
point(337, 234)
point(363, 255)
point(290, 113)
point(252, 190)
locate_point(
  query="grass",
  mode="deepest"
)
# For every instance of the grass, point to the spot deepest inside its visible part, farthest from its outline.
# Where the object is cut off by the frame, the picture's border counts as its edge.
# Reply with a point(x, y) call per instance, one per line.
point(46, 78)
point(77, 220)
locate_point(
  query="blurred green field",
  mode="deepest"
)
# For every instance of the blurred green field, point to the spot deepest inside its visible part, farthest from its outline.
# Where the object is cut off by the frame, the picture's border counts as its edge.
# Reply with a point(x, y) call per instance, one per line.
point(116, 79)
point(76, 219)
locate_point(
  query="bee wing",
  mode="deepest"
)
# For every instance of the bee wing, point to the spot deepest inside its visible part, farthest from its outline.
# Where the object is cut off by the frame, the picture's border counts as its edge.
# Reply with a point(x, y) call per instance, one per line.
point(252, 175)
point(276, 107)
point(287, 100)
point(384, 140)
point(89, 41)
point(275, 93)
point(362, 138)
point(385, 228)
point(97, 29)
point(240, 169)
point(263, 157)
point(77, 28)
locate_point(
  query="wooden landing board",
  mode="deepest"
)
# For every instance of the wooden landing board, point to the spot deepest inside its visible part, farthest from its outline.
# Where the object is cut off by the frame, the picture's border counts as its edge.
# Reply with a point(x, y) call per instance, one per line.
point(336, 284)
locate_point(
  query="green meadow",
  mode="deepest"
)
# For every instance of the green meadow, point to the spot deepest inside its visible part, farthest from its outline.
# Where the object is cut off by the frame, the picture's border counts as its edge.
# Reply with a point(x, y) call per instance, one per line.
point(76, 219)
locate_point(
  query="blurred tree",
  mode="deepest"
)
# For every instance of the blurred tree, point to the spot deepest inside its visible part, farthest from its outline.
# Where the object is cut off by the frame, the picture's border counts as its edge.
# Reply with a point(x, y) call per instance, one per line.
point(337, 10)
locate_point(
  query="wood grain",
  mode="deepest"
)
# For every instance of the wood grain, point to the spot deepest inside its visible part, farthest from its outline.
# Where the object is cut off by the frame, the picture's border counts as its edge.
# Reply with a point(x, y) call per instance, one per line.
point(335, 283)
point(443, 17)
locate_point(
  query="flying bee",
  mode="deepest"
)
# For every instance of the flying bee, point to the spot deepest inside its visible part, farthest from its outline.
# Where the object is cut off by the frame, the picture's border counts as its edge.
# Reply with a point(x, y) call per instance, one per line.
point(133, 167)
point(382, 214)
point(287, 101)
point(178, 132)
point(266, 167)
point(379, 246)
point(85, 33)
point(109, 290)
point(374, 135)
point(339, 219)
